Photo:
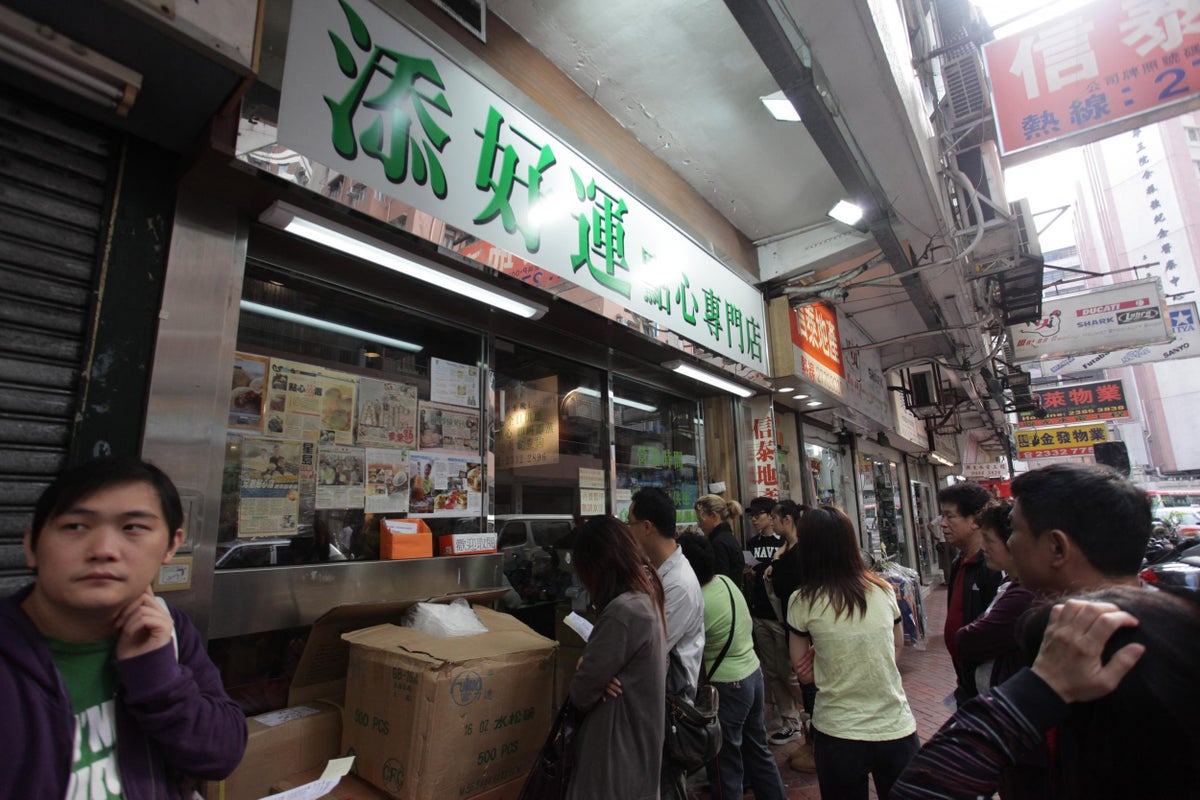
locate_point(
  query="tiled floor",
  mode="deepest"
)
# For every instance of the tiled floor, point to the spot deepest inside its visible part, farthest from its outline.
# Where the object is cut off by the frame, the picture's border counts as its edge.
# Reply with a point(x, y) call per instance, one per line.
point(928, 677)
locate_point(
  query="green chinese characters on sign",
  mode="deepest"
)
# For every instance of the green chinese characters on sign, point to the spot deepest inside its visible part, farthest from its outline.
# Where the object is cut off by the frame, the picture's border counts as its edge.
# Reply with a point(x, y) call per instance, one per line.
point(682, 296)
point(601, 234)
point(712, 313)
point(402, 152)
point(501, 186)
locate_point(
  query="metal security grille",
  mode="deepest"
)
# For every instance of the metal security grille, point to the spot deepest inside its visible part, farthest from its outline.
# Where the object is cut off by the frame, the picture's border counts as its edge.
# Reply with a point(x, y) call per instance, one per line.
point(54, 182)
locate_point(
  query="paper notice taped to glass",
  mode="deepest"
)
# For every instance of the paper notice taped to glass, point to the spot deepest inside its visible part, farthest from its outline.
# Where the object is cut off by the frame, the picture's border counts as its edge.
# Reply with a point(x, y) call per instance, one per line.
point(579, 625)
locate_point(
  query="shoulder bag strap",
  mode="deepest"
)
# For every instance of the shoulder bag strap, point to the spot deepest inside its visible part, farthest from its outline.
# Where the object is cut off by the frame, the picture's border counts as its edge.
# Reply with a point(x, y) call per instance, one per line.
point(732, 624)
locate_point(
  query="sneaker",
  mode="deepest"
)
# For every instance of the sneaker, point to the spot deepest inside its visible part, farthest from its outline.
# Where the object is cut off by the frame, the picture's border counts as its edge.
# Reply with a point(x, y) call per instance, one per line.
point(784, 735)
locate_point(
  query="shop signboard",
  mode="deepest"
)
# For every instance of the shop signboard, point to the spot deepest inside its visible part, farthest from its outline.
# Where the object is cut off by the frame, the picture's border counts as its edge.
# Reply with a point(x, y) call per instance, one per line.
point(984, 470)
point(1084, 402)
point(908, 425)
point(766, 470)
point(1075, 440)
point(1122, 315)
point(372, 100)
point(1082, 77)
point(1184, 344)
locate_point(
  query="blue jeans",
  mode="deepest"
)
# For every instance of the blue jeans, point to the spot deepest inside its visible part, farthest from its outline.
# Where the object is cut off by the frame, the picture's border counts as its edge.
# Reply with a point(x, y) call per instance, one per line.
point(744, 751)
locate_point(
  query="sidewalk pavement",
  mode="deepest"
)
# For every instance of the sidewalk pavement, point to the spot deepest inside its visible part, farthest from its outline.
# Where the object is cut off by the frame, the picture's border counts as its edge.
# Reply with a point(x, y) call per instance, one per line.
point(928, 677)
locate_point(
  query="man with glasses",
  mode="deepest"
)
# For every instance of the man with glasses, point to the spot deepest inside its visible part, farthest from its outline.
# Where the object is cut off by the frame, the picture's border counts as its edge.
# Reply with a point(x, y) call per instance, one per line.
point(972, 585)
point(652, 522)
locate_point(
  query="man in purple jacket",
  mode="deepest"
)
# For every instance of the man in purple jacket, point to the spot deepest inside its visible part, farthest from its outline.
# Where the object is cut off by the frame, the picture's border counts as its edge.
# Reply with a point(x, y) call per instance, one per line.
point(106, 693)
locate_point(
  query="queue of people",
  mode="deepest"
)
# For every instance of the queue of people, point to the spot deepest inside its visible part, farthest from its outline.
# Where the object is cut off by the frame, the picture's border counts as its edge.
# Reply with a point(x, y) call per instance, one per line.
point(1073, 680)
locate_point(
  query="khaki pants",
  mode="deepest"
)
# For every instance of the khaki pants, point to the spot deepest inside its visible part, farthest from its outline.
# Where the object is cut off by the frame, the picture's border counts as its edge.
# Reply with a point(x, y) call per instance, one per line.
point(771, 645)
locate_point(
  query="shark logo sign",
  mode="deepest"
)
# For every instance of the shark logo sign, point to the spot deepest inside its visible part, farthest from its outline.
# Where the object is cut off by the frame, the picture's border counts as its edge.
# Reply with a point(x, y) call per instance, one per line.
point(1046, 327)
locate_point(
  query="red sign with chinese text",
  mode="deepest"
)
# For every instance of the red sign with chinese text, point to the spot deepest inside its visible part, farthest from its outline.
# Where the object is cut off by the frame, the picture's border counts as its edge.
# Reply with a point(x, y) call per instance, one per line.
point(815, 332)
point(766, 474)
point(1110, 62)
point(1085, 402)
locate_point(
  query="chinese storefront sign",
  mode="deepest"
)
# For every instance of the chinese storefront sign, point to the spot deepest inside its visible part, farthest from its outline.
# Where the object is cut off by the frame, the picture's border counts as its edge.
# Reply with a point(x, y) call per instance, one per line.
point(984, 470)
point(1091, 75)
point(1185, 344)
point(1115, 317)
point(373, 101)
point(815, 333)
point(766, 472)
point(1048, 442)
point(1081, 403)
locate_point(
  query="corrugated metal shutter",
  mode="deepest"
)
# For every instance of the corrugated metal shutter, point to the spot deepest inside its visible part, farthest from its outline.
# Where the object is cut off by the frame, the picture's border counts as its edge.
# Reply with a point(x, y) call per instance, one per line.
point(54, 184)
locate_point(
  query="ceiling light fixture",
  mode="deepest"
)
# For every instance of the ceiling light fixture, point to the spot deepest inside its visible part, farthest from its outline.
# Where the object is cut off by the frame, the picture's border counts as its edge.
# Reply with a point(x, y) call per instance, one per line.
point(44, 53)
point(812, 403)
point(785, 389)
point(847, 213)
point(326, 325)
point(937, 459)
point(799, 397)
point(621, 401)
point(780, 107)
point(309, 226)
point(703, 376)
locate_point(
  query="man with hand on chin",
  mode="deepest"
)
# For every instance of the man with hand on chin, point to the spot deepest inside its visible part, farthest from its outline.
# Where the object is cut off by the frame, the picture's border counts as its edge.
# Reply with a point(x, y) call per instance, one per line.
point(108, 694)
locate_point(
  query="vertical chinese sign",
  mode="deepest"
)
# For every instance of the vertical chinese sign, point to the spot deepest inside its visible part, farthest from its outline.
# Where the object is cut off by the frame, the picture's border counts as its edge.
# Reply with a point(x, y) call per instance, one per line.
point(819, 346)
point(766, 472)
point(1086, 76)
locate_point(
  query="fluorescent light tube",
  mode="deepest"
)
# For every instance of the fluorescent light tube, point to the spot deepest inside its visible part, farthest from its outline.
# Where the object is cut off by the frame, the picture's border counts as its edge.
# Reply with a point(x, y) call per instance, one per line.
point(300, 223)
point(325, 325)
point(704, 376)
point(621, 401)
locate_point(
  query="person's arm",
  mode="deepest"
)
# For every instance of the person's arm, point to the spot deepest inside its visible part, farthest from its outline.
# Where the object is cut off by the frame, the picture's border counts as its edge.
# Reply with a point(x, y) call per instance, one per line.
point(181, 705)
point(994, 633)
point(898, 638)
point(965, 758)
point(803, 654)
point(608, 650)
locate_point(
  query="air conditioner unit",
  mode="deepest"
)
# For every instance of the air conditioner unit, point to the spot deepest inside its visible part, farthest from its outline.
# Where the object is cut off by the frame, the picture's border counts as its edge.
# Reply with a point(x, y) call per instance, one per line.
point(923, 390)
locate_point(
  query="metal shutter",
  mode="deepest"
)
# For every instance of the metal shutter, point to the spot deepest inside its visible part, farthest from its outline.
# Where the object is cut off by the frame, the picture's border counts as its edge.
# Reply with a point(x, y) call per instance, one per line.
point(54, 186)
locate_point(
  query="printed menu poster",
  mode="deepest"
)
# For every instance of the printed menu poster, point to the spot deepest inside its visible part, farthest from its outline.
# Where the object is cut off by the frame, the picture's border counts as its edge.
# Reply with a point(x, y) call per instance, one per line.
point(445, 427)
point(445, 485)
point(387, 487)
point(340, 477)
point(454, 383)
point(309, 403)
point(308, 482)
point(387, 413)
point(246, 392)
point(269, 487)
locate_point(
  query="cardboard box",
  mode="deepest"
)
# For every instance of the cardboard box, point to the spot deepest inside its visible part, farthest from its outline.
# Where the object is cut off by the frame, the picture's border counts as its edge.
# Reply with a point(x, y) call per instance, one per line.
point(279, 744)
point(350, 787)
point(458, 544)
point(404, 538)
point(447, 718)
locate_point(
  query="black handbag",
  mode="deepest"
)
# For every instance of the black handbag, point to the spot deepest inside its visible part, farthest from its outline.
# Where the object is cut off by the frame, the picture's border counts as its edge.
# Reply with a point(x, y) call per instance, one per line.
point(551, 772)
point(693, 732)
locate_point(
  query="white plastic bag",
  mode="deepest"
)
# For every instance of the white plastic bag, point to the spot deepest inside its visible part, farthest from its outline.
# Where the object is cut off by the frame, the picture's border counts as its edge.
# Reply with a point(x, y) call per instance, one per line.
point(444, 620)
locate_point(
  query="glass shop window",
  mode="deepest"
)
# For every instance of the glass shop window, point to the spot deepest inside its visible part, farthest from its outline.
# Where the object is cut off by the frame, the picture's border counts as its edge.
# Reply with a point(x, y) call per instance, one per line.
point(657, 442)
point(549, 437)
point(344, 410)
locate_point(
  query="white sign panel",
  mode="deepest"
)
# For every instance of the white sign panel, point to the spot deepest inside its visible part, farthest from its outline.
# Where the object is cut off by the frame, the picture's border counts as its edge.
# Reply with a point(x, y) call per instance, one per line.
point(1185, 344)
point(984, 471)
point(1113, 317)
point(370, 99)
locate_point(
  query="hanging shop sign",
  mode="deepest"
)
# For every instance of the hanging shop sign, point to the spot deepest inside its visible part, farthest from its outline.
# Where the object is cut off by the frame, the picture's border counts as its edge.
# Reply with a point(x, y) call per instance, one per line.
point(372, 100)
point(1084, 402)
point(984, 470)
point(1123, 315)
point(1083, 77)
point(766, 471)
point(1076, 440)
point(1184, 344)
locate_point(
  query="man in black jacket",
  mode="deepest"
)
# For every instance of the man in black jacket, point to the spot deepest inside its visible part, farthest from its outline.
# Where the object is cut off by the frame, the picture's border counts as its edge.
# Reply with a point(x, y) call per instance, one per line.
point(972, 585)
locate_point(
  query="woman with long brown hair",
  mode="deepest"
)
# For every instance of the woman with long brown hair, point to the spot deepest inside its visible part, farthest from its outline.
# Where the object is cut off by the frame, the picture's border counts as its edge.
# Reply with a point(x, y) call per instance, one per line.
point(620, 685)
point(847, 637)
